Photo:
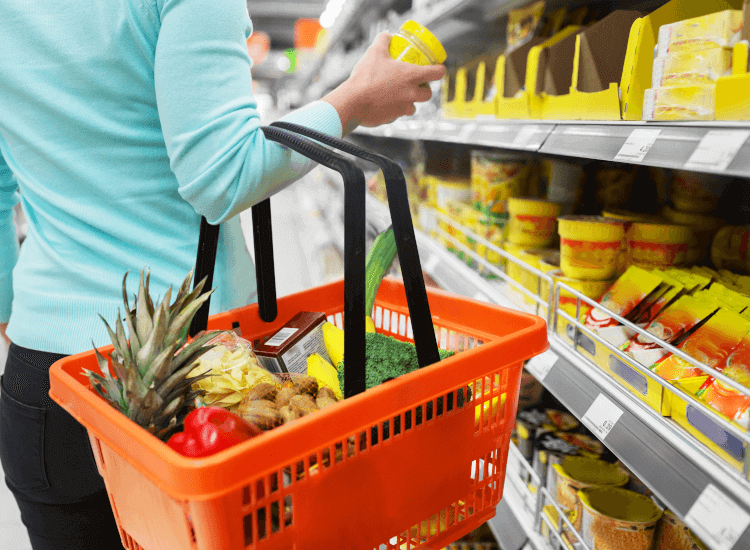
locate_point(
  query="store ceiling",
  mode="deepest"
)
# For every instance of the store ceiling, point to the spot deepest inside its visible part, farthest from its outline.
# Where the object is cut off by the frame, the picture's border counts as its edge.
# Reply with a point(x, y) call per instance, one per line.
point(277, 18)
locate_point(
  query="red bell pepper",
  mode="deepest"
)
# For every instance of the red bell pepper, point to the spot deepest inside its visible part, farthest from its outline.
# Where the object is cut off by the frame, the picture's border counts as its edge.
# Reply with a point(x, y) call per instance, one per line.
point(208, 430)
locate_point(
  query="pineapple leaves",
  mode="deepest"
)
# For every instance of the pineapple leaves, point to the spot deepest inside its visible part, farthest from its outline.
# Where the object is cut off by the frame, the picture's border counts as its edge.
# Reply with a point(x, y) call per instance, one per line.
point(155, 340)
point(159, 366)
point(181, 294)
point(185, 316)
point(143, 322)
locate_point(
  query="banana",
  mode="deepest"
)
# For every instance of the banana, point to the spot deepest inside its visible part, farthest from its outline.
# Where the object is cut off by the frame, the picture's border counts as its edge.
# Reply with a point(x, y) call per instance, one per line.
point(334, 340)
point(369, 324)
point(325, 373)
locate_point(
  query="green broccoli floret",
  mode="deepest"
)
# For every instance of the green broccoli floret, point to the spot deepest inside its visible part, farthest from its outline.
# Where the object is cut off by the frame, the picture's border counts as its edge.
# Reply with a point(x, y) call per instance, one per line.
point(388, 358)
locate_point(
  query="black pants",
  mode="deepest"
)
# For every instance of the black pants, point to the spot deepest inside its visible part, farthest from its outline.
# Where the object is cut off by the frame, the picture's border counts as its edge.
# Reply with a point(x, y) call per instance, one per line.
point(48, 462)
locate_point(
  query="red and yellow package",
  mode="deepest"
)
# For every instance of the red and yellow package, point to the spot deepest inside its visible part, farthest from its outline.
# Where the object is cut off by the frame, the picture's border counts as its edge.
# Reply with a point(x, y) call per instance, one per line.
point(674, 322)
point(711, 344)
point(724, 399)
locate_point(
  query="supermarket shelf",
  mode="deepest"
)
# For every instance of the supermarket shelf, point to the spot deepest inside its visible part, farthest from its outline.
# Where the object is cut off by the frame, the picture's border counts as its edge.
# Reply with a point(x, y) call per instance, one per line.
point(673, 147)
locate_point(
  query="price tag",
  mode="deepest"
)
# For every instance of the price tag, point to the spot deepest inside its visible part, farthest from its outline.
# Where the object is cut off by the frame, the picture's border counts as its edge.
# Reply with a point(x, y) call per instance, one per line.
point(717, 150)
point(638, 144)
point(716, 519)
point(602, 416)
point(525, 136)
point(540, 365)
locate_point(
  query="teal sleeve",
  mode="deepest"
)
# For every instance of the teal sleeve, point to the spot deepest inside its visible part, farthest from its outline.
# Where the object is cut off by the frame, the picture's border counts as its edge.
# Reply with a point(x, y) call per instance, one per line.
point(208, 115)
point(8, 238)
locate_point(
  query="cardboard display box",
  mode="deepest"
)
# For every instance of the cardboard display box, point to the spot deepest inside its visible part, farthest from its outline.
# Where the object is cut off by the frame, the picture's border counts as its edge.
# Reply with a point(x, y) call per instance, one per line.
point(554, 77)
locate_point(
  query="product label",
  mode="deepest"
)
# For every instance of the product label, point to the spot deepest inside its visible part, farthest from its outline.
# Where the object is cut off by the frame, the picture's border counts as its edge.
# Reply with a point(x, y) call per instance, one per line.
point(602, 416)
point(542, 364)
point(525, 138)
point(717, 150)
point(295, 360)
point(271, 364)
point(278, 339)
point(637, 145)
point(717, 519)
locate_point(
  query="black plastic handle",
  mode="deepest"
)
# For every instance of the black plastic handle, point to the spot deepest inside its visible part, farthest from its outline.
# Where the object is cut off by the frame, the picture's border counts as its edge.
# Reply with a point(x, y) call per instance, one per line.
point(354, 254)
point(406, 242)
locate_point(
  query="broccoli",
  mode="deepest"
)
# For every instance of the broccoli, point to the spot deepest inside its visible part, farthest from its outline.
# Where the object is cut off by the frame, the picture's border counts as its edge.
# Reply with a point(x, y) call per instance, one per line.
point(388, 358)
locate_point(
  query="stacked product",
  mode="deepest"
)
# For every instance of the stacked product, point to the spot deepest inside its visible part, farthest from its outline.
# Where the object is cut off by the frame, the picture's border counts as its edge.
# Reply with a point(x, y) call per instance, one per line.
point(691, 55)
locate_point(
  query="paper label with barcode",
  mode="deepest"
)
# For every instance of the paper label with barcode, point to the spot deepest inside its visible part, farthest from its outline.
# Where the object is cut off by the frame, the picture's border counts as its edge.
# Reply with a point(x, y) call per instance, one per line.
point(602, 416)
point(638, 144)
point(717, 150)
point(540, 365)
point(717, 519)
point(282, 336)
point(525, 136)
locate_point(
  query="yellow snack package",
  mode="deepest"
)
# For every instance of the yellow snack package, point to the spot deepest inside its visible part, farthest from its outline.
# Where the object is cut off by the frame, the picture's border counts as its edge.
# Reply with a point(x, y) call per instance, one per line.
point(711, 344)
point(680, 103)
point(495, 177)
point(651, 307)
point(721, 29)
point(691, 68)
point(629, 290)
point(523, 24)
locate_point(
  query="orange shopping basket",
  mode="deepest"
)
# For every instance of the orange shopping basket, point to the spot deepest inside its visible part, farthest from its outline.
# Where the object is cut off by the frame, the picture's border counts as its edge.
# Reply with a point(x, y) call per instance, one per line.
point(416, 462)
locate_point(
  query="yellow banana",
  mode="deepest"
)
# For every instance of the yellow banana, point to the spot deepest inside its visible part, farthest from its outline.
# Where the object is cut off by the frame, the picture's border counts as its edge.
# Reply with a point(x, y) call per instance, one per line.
point(325, 373)
point(334, 340)
point(369, 324)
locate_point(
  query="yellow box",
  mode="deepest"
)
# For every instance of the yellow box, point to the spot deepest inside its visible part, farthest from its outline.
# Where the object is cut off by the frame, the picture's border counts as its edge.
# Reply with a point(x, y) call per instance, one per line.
point(720, 29)
point(733, 92)
point(453, 94)
point(680, 103)
point(700, 424)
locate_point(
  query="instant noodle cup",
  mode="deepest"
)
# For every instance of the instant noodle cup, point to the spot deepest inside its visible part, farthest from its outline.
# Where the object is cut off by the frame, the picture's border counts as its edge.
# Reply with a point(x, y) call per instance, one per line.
point(414, 44)
point(528, 279)
point(628, 218)
point(704, 229)
point(614, 184)
point(653, 245)
point(576, 473)
point(585, 446)
point(673, 534)
point(532, 222)
point(590, 289)
point(550, 449)
point(730, 249)
point(617, 519)
point(589, 247)
point(513, 270)
point(695, 192)
point(491, 229)
point(495, 177)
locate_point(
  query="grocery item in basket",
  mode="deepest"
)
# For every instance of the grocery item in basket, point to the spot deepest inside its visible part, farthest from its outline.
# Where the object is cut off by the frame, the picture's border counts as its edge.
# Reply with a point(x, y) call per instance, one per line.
point(691, 68)
point(617, 519)
point(629, 290)
point(722, 397)
point(673, 534)
point(532, 222)
point(414, 44)
point(673, 323)
point(325, 373)
point(589, 246)
point(288, 349)
point(147, 385)
point(704, 229)
point(653, 245)
point(680, 103)
point(720, 29)
point(495, 177)
point(710, 344)
point(209, 430)
point(730, 249)
point(576, 473)
point(523, 24)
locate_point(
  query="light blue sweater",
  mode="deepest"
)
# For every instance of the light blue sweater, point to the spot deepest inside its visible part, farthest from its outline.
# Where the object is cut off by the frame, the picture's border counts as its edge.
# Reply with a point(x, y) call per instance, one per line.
point(123, 122)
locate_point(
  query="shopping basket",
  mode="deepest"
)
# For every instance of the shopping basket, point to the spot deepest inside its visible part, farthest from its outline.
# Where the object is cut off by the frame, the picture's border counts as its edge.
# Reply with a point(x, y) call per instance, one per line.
point(416, 462)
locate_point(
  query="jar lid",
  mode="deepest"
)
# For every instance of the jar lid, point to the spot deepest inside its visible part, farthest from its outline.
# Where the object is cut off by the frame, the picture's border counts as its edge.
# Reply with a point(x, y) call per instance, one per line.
point(428, 38)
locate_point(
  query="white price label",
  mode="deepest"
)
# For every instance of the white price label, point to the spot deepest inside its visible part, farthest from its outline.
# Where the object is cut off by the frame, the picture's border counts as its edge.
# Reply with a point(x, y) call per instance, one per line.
point(638, 145)
point(602, 416)
point(525, 136)
point(716, 519)
point(540, 365)
point(717, 150)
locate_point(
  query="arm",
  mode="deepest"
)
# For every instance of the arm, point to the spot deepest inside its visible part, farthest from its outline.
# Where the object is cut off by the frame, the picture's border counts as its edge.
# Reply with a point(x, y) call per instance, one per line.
point(222, 162)
point(8, 242)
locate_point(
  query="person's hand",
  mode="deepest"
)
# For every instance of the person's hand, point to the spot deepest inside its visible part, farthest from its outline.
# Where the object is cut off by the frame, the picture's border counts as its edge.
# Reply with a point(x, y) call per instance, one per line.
point(381, 89)
point(3, 328)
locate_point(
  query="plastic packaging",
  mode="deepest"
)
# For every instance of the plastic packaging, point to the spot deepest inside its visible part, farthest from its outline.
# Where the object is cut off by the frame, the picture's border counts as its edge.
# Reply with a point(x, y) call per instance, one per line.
point(720, 29)
point(692, 68)
point(658, 245)
point(414, 44)
point(495, 177)
point(589, 247)
point(680, 103)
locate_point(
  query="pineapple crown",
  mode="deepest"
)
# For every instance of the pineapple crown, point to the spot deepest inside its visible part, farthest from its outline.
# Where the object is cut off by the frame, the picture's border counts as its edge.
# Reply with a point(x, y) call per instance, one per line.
point(150, 383)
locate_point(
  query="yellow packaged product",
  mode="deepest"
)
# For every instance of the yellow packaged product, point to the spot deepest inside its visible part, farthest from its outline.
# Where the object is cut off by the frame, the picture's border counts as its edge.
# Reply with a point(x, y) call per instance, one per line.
point(625, 294)
point(492, 230)
point(653, 245)
point(710, 344)
point(414, 44)
point(523, 24)
point(449, 188)
point(691, 68)
point(697, 193)
point(651, 307)
point(532, 222)
point(704, 229)
point(617, 519)
point(590, 289)
point(613, 185)
point(589, 246)
point(730, 249)
point(495, 177)
point(720, 29)
point(566, 534)
point(534, 257)
point(680, 103)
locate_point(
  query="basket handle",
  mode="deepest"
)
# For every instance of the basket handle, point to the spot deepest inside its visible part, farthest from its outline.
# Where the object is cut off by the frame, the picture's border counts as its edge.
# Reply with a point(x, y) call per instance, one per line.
point(354, 255)
point(406, 242)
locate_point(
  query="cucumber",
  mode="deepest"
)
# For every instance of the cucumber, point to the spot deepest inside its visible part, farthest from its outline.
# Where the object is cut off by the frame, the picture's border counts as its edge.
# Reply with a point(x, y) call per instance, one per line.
point(379, 260)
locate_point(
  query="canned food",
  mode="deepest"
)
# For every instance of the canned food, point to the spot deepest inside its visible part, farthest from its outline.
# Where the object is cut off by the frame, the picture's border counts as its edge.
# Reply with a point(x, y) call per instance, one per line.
point(589, 247)
point(414, 44)
point(532, 222)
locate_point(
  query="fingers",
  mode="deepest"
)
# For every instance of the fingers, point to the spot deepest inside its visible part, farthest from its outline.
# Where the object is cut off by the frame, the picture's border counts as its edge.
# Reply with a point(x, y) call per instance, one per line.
point(382, 42)
point(426, 73)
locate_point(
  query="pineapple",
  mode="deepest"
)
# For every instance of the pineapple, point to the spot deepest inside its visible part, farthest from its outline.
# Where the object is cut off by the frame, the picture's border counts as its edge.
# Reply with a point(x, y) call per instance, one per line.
point(150, 385)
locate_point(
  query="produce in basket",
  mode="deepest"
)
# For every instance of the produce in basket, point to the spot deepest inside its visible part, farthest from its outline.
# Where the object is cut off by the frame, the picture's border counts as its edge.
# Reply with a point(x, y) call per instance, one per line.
point(209, 430)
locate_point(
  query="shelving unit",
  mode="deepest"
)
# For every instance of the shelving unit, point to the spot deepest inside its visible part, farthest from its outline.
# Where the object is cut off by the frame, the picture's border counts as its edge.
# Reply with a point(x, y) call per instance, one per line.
point(673, 146)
